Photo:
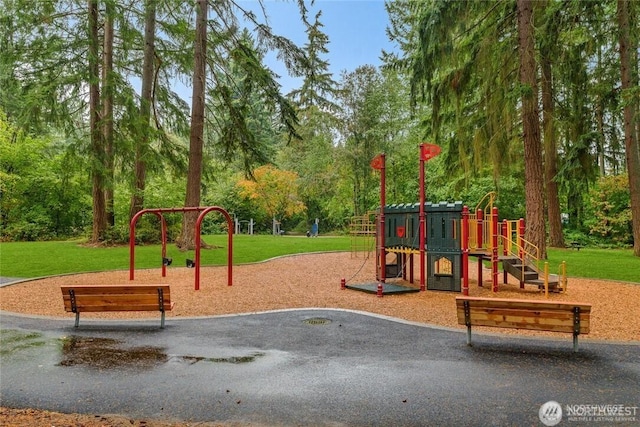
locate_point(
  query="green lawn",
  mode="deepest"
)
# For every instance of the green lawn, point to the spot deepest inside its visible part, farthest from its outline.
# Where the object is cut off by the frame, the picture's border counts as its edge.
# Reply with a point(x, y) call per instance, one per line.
point(613, 264)
point(36, 259)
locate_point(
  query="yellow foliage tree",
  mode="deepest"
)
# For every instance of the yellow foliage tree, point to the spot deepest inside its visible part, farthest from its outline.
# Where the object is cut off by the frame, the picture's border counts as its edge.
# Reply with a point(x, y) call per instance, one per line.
point(273, 190)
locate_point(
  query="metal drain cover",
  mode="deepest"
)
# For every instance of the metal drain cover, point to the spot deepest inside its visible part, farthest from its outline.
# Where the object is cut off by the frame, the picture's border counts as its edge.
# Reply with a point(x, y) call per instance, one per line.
point(317, 321)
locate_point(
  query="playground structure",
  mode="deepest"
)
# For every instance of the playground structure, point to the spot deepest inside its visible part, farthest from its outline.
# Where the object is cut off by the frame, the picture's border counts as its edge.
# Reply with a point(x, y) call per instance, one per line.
point(445, 235)
point(203, 211)
point(453, 235)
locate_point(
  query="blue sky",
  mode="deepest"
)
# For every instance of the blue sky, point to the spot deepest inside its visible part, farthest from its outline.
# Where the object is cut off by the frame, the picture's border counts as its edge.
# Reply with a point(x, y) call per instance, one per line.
point(356, 31)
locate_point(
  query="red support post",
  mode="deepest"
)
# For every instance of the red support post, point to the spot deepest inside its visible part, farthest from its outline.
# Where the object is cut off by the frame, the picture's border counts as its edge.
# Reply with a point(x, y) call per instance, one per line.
point(494, 249)
point(411, 268)
point(163, 234)
point(465, 250)
point(229, 244)
point(132, 239)
point(377, 247)
point(520, 239)
point(383, 202)
point(423, 226)
point(521, 230)
point(343, 284)
point(505, 242)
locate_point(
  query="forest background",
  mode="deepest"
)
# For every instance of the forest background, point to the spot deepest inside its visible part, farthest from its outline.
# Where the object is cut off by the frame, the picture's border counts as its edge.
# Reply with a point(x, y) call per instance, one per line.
point(535, 100)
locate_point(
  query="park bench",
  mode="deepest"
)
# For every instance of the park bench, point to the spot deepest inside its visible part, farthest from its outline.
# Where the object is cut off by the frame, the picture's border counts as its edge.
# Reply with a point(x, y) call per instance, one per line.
point(101, 298)
point(554, 316)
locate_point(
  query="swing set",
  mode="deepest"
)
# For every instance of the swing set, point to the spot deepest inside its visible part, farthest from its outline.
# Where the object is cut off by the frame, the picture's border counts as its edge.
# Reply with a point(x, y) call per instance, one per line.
point(167, 261)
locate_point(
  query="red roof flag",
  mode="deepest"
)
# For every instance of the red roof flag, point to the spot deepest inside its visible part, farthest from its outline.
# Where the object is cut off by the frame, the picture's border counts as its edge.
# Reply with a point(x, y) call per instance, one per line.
point(378, 162)
point(429, 151)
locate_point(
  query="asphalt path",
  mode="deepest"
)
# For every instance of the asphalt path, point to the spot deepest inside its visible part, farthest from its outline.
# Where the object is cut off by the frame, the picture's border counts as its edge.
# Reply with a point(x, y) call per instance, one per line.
point(308, 367)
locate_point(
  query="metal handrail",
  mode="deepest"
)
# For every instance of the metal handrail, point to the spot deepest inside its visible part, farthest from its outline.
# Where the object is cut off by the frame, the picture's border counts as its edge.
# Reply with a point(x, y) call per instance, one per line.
point(491, 195)
point(530, 252)
point(562, 275)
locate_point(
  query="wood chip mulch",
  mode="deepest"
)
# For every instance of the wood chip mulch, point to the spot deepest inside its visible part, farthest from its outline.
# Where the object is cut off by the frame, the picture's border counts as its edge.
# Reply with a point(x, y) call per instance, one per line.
point(313, 280)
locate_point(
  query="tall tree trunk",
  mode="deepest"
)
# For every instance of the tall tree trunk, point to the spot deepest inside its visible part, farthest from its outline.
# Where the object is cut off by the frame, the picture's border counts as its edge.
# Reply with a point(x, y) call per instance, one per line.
point(534, 186)
point(556, 239)
point(142, 142)
point(601, 143)
point(97, 146)
point(107, 110)
point(630, 141)
point(196, 137)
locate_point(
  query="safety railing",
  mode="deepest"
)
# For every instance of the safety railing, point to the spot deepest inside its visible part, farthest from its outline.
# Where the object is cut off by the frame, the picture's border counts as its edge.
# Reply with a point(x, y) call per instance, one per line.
point(527, 252)
point(489, 198)
point(562, 278)
point(480, 223)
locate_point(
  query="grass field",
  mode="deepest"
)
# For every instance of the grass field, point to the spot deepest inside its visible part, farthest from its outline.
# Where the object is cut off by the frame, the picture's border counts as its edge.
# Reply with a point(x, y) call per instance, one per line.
point(613, 264)
point(37, 259)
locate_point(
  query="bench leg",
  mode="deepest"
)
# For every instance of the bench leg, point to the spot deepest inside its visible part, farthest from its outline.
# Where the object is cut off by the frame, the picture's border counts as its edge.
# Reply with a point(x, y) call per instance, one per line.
point(162, 320)
point(77, 319)
point(469, 335)
point(575, 343)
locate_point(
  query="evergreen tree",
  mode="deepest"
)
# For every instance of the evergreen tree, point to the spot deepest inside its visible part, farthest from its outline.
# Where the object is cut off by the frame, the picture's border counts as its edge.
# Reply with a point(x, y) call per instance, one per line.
point(213, 52)
point(142, 140)
point(318, 87)
point(535, 231)
point(311, 156)
point(629, 78)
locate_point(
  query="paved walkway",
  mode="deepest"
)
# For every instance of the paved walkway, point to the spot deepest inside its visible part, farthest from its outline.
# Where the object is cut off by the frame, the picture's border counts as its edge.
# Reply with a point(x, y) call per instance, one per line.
point(306, 368)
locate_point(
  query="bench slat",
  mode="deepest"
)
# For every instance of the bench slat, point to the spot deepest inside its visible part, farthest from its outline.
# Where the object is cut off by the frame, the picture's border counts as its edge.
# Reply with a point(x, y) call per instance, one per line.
point(121, 307)
point(98, 304)
point(117, 298)
point(549, 316)
point(523, 303)
point(114, 289)
point(533, 311)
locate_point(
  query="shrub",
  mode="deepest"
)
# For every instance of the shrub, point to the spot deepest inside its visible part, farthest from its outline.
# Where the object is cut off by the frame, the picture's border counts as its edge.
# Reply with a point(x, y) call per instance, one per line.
point(609, 210)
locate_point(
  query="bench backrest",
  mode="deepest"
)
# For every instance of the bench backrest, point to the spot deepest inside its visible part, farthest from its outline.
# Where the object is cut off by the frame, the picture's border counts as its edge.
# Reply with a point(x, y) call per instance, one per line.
point(524, 314)
point(116, 297)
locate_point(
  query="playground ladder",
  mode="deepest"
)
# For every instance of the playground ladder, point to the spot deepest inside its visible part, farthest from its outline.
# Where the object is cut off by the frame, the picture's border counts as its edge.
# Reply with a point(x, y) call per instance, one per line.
point(362, 231)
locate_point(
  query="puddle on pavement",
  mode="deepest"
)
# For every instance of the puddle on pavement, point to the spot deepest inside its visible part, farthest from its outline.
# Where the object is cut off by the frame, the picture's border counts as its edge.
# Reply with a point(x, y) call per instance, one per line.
point(12, 341)
point(236, 360)
point(106, 353)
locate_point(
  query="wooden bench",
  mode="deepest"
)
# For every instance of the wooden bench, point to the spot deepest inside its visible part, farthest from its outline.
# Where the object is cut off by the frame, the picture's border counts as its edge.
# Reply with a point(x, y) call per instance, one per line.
point(100, 298)
point(569, 317)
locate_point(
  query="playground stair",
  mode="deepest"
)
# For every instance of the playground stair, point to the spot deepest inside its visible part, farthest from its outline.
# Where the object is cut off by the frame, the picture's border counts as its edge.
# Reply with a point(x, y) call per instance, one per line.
point(528, 274)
